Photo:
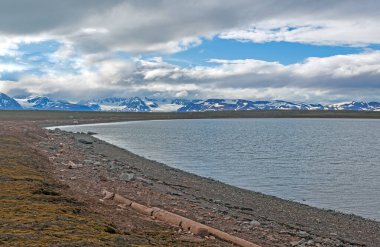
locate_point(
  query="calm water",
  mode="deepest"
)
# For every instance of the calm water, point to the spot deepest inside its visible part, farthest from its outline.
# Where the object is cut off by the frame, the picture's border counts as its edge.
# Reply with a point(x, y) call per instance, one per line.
point(327, 163)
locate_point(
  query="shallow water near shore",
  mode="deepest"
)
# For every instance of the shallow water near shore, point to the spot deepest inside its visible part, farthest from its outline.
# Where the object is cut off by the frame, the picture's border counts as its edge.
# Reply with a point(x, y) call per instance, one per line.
point(327, 163)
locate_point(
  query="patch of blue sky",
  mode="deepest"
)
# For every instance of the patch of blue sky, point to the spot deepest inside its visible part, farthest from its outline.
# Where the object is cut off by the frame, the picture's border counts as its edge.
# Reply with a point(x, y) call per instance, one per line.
point(32, 54)
point(282, 52)
point(36, 58)
point(48, 46)
point(16, 75)
point(9, 76)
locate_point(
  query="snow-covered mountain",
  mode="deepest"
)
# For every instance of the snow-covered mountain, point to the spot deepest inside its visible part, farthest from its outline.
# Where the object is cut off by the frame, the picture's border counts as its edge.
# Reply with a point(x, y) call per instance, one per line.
point(137, 104)
point(7, 103)
point(45, 103)
point(355, 106)
point(244, 105)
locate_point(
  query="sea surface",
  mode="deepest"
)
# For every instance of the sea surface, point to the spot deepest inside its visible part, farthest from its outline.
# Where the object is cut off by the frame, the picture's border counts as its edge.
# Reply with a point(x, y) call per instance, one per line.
point(326, 163)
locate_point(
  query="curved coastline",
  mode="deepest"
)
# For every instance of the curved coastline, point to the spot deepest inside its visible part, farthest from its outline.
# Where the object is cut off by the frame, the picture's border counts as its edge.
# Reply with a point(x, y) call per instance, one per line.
point(143, 155)
point(242, 203)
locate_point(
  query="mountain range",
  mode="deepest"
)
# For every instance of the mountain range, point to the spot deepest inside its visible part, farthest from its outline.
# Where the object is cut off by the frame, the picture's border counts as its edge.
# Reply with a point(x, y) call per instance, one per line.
point(143, 104)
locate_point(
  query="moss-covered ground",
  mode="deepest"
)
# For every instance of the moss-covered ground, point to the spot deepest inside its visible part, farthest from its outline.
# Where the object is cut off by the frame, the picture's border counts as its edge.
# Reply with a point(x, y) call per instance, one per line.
point(34, 213)
point(36, 210)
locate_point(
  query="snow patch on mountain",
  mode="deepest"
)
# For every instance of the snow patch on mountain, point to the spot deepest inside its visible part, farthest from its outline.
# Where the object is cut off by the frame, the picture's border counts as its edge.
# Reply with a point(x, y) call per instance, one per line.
point(137, 104)
point(8, 103)
point(45, 103)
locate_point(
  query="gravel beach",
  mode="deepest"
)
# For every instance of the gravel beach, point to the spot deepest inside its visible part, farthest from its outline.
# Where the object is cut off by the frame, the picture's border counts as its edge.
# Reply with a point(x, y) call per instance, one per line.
point(262, 219)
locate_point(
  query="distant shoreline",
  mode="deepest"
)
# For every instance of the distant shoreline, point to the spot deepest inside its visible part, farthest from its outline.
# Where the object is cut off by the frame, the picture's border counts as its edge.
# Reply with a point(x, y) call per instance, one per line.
point(49, 118)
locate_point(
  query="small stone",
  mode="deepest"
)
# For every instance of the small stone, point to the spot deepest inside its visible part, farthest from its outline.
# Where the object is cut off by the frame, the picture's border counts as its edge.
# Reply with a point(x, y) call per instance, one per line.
point(110, 229)
point(310, 242)
point(294, 243)
point(302, 234)
point(72, 165)
point(254, 223)
point(175, 193)
point(87, 161)
point(85, 141)
point(127, 176)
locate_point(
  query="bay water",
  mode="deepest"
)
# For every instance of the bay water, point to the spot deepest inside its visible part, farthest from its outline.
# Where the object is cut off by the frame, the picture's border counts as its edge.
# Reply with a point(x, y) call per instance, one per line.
point(326, 163)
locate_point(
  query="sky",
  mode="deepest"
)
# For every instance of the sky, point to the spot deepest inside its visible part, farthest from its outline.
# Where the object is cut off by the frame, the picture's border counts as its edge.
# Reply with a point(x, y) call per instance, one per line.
point(299, 50)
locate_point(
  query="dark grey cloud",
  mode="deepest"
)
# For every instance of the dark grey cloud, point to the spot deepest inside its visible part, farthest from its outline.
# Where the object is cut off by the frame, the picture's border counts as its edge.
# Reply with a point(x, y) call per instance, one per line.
point(25, 17)
point(143, 25)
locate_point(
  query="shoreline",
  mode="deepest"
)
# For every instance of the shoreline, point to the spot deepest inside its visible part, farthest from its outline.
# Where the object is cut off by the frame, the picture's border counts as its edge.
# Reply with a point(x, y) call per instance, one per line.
point(94, 135)
point(329, 228)
point(212, 180)
point(262, 219)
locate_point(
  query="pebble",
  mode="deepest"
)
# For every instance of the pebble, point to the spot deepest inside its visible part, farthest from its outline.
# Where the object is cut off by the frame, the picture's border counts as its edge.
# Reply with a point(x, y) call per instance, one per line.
point(85, 141)
point(127, 176)
point(310, 242)
point(87, 161)
point(296, 243)
point(254, 223)
point(303, 234)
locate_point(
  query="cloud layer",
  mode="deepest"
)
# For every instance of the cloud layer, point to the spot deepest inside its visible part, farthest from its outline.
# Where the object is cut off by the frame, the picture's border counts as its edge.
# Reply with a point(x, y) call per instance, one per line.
point(169, 26)
point(91, 32)
point(330, 79)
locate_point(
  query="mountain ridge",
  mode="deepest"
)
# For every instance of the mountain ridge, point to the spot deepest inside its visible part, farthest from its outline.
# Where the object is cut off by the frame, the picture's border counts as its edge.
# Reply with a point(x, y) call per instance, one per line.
point(144, 104)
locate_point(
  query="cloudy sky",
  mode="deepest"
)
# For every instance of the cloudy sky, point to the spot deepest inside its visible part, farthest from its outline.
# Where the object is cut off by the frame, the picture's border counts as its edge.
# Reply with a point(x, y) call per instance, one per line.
point(300, 50)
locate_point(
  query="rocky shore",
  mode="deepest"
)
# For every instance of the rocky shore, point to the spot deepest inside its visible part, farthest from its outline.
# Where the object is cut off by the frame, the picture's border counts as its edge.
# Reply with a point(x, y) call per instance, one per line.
point(86, 165)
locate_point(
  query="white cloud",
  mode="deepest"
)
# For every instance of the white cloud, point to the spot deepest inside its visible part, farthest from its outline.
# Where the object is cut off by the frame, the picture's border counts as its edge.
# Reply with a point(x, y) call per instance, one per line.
point(11, 67)
point(91, 31)
point(318, 32)
point(343, 77)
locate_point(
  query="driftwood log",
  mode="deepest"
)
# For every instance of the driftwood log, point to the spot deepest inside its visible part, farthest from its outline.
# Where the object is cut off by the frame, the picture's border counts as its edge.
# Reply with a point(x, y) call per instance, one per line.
point(176, 220)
